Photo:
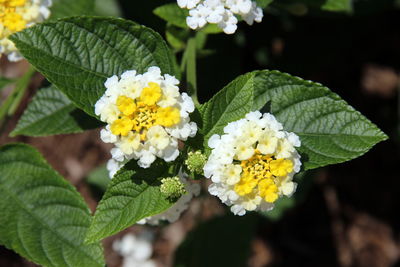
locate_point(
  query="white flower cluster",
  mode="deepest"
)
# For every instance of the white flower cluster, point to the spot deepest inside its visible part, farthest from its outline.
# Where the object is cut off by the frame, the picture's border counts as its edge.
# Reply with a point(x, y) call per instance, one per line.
point(172, 214)
point(146, 117)
point(136, 250)
point(253, 163)
point(16, 15)
point(221, 12)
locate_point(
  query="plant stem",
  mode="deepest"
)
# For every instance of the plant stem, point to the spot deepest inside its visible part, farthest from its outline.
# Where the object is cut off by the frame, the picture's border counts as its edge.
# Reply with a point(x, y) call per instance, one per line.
point(191, 77)
point(10, 105)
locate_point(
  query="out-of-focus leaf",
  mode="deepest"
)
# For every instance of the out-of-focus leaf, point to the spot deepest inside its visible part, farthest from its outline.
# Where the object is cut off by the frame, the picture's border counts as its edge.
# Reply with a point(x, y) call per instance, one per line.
point(107, 8)
point(68, 8)
point(223, 241)
point(99, 178)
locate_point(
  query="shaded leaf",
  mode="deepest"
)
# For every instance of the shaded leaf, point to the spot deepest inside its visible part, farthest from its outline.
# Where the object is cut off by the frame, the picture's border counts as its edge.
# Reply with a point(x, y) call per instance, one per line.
point(223, 241)
point(132, 195)
point(69, 8)
point(51, 112)
point(43, 218)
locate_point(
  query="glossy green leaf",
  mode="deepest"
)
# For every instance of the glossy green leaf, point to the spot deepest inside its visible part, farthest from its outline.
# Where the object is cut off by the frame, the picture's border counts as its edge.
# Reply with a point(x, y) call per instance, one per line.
point(78, 54)
point(229, 104)
point(69, 8)
point(50, 112)
point(43, 218)
point(330, 130)
point(132, 195)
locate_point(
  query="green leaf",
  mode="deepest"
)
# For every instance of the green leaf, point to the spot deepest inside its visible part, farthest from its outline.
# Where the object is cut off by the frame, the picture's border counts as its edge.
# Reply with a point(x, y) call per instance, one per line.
point(230, 104)
point(78, 54)
point(107, 8)
point(264, 3)
point(51, 112)
point(99, 178)
point(173, 14)
point(337, 5)
point(4, 82)
point(176, 16)
point(330, 130)
point(43, 218)
point(132, 195)
point(223, 241)
point(68, 8)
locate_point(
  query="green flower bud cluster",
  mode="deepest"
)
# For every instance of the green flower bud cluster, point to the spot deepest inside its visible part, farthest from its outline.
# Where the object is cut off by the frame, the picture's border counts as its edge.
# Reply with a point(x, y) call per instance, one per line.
point(195, 162)
point(172, 188)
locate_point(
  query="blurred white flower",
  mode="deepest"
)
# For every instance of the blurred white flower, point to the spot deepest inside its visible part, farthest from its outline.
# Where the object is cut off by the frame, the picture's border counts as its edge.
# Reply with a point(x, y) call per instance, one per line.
point(224, 13)
point(136, 249)
point(16, 16)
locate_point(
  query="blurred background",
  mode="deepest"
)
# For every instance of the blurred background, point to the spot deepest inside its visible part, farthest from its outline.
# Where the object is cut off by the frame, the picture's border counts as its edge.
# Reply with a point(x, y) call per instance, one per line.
point(341, 215)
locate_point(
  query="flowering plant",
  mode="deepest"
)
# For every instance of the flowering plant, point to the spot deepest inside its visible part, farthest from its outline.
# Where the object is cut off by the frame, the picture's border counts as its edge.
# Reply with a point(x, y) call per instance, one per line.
point(249, 140)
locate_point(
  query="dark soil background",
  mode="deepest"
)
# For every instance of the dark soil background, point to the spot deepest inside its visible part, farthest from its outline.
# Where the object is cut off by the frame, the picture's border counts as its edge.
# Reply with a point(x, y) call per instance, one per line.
point(349, 215)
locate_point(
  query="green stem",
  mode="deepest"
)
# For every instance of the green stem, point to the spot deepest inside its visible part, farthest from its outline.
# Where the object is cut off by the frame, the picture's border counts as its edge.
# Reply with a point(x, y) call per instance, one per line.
point(10, 105)
point(191, 77)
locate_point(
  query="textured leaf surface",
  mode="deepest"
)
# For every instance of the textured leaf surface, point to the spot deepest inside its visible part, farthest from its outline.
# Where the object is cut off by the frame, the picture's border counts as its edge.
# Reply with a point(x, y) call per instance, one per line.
point(330, 130)
point(223, 241)
point(51, 112)
point(229, 104)
point(69, 8)
point(42, 217)
point(132, 195)
point(78, 54)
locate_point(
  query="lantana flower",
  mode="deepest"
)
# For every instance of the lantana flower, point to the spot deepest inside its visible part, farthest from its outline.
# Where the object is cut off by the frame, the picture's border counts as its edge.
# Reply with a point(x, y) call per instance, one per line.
point(224, 13)
point(16, 15)
point(146, 116)
point(253, 163)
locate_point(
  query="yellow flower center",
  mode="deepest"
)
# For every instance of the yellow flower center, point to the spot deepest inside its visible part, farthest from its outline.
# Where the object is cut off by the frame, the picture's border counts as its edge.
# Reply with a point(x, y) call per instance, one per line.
point(140, 114)
point(260, 174)
point(10, 18)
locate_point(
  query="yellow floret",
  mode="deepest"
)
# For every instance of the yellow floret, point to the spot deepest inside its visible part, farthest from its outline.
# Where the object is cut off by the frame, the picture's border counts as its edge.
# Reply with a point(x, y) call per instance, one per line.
point(268, 190)
point(14, 21)
point(281, 167)
point(126, 105)
point(168, 116)
point(246, 185)
point(14, 3)
point(122, 126)
point(151, 94)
